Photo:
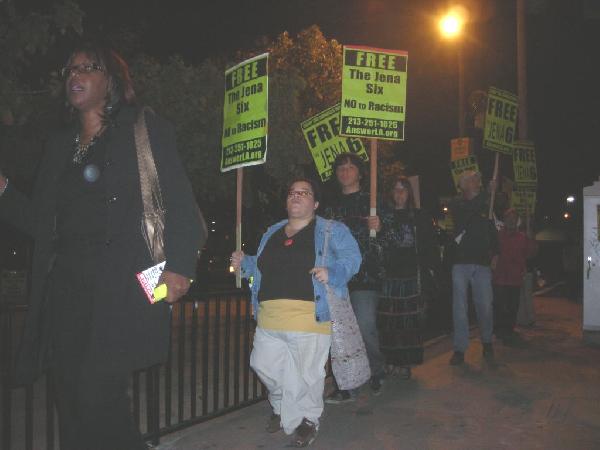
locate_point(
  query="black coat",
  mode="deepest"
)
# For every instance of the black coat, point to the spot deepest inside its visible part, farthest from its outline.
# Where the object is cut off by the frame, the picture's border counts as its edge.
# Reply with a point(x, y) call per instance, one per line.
point(127, 332)
point(427, 251)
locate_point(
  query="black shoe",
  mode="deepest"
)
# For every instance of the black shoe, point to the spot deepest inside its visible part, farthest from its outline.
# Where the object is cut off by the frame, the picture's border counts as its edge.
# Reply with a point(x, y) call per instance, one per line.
point(513, 340)
point(305, 434)
point(405, 373)
point(458, 359)
point(274, 423)
point(339, 396)
point(376, 383)
point(488, 352)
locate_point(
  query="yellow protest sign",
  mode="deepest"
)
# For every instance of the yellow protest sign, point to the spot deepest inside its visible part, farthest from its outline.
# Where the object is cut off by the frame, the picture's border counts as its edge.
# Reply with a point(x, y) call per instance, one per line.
point(322, 134)
point(523, 199)
point(524, 164)
point(374, 93)
point(500, 121)
point(462, 165)
point(460, 148)
point(245, 114)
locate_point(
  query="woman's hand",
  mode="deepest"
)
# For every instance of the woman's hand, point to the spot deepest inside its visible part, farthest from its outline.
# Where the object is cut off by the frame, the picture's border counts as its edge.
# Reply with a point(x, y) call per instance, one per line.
point(321, 274)
point(374, 223)
point(236, 259)
point(177, 285)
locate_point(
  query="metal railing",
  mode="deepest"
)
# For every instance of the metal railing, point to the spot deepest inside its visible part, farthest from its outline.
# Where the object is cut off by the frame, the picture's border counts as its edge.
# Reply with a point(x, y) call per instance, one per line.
point(207, 374)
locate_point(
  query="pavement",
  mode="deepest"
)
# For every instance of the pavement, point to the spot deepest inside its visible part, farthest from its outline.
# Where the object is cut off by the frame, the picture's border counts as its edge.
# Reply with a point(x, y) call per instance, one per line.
point(543, 393)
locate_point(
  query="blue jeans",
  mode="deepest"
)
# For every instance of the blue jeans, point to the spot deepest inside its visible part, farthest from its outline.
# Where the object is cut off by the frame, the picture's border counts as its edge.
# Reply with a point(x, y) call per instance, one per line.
point(364, 304)
point(480, 279)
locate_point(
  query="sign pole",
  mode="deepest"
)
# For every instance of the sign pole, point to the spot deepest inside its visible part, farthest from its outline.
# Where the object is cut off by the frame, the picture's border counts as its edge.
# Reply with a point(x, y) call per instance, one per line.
point(245, 120)
point(238, 222)
point(493, 193)
point(373, 187)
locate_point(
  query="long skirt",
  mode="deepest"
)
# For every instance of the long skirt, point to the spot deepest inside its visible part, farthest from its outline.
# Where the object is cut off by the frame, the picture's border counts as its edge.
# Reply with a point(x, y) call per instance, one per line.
point(400, 320)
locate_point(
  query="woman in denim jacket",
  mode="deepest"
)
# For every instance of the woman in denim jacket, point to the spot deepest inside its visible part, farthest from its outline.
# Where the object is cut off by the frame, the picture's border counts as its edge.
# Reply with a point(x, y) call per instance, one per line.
point(289, 301)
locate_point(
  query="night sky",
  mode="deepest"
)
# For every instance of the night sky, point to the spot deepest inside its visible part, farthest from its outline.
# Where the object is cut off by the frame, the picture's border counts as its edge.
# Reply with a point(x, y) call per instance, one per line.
point(563, 44)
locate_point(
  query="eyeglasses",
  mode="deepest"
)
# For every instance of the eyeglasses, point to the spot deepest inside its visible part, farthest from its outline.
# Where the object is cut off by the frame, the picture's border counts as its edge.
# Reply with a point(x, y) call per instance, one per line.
point(301, 194)
point(80, 69)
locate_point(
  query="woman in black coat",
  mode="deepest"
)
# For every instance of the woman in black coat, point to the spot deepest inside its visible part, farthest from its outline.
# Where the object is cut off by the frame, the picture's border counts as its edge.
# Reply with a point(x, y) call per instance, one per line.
point(89, 321)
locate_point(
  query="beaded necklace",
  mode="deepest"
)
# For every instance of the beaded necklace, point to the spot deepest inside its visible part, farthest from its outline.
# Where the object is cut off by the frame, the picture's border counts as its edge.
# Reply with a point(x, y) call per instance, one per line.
point(81, 150)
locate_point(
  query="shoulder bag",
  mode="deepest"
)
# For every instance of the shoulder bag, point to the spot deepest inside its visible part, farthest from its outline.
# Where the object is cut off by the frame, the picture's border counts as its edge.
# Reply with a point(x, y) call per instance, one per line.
point(349, 360)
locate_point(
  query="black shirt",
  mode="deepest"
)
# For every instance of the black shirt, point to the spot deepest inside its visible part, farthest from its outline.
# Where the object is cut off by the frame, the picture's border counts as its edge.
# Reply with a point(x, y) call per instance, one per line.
point(353, 210)
point(285, 264)
point(82, 207)
point(480, 239)
point(400, 250)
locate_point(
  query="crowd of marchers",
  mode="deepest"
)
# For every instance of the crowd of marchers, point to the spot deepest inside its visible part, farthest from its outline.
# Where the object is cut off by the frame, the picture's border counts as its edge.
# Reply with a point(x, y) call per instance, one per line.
point(112, 199)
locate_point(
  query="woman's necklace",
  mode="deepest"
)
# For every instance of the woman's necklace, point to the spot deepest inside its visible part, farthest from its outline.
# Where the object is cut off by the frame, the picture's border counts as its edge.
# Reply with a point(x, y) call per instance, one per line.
point(290, 233)
point(81, 150)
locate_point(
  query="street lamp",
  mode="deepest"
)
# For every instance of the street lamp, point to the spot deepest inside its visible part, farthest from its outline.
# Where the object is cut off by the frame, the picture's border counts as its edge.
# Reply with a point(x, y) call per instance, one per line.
point(451, 26)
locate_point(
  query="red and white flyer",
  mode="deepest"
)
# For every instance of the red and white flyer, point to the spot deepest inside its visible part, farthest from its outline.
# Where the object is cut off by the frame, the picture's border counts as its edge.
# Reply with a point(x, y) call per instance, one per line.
point(148, 280)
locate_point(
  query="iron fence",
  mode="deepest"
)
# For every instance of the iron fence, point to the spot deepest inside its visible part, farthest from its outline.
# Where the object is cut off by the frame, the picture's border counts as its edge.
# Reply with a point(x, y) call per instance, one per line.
point(207, 374)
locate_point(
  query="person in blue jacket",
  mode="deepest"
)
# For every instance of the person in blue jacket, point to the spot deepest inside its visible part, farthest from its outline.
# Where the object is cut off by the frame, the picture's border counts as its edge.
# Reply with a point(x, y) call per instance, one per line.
point(291, 272)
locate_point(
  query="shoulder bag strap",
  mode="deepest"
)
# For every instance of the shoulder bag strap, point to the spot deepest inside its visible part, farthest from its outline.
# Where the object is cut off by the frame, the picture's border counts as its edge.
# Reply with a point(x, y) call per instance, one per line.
point(154, 213)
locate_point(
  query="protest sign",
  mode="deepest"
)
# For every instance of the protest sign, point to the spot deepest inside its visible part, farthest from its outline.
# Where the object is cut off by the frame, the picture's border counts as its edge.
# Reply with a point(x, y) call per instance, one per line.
point(460, 148)
point(13, 286)
point(322, 134)
point(461, 165)
point(245, 114)
point(524, 163)
point(374, 93)
point(523, 199)
point(500, 121)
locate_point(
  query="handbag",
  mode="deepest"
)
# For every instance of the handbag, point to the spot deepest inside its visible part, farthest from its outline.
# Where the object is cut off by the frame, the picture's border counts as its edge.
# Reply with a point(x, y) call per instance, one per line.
point(153, 217)
point(349, 360)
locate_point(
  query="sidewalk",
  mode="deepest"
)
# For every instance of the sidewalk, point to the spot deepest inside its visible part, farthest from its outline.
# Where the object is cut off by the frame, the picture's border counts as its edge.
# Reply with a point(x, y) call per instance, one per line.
point(543, 395)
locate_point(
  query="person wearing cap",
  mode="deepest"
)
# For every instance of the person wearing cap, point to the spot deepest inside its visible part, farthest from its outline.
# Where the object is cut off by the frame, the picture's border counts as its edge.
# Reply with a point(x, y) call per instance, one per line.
point(475, 255)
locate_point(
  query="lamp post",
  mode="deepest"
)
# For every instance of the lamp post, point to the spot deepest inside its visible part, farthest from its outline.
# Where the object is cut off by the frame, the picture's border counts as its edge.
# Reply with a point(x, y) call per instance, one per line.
point(451, 26)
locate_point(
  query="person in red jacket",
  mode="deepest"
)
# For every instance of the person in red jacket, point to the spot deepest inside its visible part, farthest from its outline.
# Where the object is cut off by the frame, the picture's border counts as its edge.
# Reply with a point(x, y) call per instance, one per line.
point(515, 248)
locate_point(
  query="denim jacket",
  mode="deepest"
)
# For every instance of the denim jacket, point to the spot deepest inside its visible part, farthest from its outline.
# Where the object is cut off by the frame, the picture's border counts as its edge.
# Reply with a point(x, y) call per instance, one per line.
point(342, 261)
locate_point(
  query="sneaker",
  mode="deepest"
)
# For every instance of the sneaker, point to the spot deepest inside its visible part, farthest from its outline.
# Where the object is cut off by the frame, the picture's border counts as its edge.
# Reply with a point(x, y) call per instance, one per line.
point(274, 423)
point(339, 396)
point(305, 434)
point(488, 351)
point(376, 383)
point(458, 358)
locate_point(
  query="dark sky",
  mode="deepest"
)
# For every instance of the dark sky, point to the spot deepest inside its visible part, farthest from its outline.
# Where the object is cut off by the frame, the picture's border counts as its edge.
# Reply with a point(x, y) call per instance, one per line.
point(563, 48)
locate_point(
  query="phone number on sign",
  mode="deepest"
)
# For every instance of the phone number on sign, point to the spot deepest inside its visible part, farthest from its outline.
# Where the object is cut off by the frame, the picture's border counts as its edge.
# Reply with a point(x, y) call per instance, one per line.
point(379, 123)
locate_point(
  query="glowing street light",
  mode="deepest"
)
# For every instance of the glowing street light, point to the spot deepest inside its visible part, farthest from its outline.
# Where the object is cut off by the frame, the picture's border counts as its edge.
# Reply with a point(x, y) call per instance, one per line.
point(571, 199)
point(451, 25)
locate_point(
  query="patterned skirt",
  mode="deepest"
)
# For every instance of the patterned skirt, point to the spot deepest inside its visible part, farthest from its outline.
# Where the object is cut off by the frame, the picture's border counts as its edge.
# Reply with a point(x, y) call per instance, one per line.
point(400, 320)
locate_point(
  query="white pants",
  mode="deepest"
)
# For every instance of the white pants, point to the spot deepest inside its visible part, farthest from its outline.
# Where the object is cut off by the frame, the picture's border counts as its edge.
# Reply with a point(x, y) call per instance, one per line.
point(292, 367)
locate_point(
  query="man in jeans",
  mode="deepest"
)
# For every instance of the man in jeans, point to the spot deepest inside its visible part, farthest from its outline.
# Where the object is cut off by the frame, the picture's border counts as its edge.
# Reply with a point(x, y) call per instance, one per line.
point(476, 254)
point(352, 207)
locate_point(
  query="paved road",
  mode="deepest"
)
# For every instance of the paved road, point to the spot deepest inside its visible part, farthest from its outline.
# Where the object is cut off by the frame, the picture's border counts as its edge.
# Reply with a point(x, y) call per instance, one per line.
point(544, 394)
